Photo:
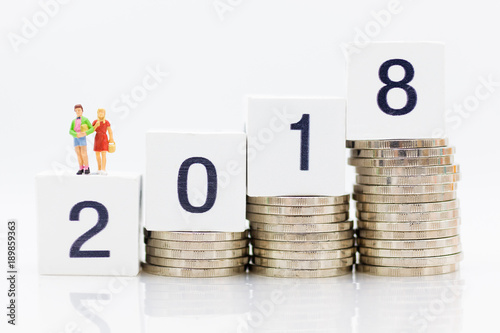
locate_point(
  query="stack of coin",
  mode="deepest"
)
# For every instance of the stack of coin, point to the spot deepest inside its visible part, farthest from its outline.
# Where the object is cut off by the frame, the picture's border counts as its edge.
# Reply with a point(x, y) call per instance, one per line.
point(407, 208)
point(195, 254)
point(307, 236)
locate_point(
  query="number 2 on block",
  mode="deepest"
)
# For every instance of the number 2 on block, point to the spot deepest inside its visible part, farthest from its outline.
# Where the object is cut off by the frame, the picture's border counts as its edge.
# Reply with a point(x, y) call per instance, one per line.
point(411, 94)
point(102, 221)
point(303, 126)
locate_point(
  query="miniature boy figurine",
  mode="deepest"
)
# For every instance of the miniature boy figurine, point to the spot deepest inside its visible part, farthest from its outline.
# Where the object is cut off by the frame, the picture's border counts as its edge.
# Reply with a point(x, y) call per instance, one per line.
point(80, 128)
point(101, 143)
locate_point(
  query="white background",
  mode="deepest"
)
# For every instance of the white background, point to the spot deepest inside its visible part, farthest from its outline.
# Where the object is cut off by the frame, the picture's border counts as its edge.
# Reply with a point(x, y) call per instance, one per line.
point(93, 52)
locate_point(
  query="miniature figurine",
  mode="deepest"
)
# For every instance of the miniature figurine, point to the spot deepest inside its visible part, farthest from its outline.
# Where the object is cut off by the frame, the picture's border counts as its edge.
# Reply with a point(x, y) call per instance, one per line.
point(101, 143)
point(80, 128)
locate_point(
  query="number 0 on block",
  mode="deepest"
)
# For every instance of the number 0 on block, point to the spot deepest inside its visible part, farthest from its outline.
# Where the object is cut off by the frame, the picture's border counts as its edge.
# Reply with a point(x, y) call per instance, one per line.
point(195, 181)
point(396, 91)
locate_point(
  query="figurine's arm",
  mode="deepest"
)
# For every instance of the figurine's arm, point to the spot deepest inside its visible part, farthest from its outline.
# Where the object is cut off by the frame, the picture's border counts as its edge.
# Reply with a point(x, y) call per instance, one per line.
point(91, 128)
point(72, 132)
point(110, 132)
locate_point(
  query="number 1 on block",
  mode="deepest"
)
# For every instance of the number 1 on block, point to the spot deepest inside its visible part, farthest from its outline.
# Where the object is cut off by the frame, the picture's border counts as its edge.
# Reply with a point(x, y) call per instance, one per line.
point(296, 146)
point(303, 126)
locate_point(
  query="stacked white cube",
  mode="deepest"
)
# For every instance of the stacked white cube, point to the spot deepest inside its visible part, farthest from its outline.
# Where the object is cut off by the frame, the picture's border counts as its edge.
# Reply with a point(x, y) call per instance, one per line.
point(88, 225)
point(275, 154)
point(195, 181)
point(414, 80)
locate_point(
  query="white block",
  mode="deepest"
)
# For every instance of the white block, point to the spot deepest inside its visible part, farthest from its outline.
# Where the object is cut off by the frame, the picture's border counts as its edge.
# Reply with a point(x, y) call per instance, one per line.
point(88, 225)
point(279, 162)
point(195, 181)
point(413, 108)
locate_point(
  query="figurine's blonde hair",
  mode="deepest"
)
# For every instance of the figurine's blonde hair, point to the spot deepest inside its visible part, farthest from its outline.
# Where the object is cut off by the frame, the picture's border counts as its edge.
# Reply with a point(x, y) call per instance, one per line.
point(104, 118)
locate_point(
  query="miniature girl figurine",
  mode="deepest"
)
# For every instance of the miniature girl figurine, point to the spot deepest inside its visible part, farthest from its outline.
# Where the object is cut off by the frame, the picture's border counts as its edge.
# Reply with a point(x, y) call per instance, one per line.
point(80, 128)
point(101, 143)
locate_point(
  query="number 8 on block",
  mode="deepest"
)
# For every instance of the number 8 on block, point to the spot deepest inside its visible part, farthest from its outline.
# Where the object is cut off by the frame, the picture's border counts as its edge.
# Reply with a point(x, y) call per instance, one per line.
point(396, 91)
point(195, 181)
point(296, 146)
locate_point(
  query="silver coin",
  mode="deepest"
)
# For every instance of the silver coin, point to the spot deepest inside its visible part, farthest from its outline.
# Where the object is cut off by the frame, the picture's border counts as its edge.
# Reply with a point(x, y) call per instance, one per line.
point(418, 253)
point(303, 246)
point(408, 244)
point(302, 228)
point(408, 171)
point(405, 271)
point(407, 208)
point(405, 198)
point(192, 272)
point(407, 217)
point(299, 273)
point(289, 219)
point(297, 201)
point(413, 162)
point(197, 254)
point(304, 237)
point(196, 263)
point(196, 236)
point(305, 255)
point(402, 190)
point(402, 153)
point(402, 143)
point(409, 226)
point(311, 210)
point(225, 245)
point(405, 181)
point(408, 235)
point(412, 262)
point(303, 264)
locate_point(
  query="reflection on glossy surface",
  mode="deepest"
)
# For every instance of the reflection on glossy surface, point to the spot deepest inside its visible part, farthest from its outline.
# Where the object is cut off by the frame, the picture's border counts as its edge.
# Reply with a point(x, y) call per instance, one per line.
point(361, 303)
point(301, 305)
point(79, 301)
point(89, 304)
point(251, 303)
point(194, 305)
point(416, 304)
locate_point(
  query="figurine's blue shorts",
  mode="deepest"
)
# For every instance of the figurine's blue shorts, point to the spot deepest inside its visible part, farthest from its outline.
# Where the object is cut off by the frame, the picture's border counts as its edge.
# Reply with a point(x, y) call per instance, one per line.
point(80, 141)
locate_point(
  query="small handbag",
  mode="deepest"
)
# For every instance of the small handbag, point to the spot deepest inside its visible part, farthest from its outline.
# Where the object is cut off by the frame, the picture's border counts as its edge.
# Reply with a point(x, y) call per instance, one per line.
point(111, 147)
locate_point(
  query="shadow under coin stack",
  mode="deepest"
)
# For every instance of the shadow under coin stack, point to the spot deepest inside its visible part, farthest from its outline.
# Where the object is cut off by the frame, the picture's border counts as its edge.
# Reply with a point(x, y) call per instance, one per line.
point(407, 207)
point(301, 237)
point(195, 254)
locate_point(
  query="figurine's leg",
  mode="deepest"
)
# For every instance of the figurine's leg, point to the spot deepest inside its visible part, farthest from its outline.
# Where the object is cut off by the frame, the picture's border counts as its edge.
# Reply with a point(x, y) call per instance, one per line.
point(103, 161)
point(85, 158)
point(79, 155)
point(98, 158)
